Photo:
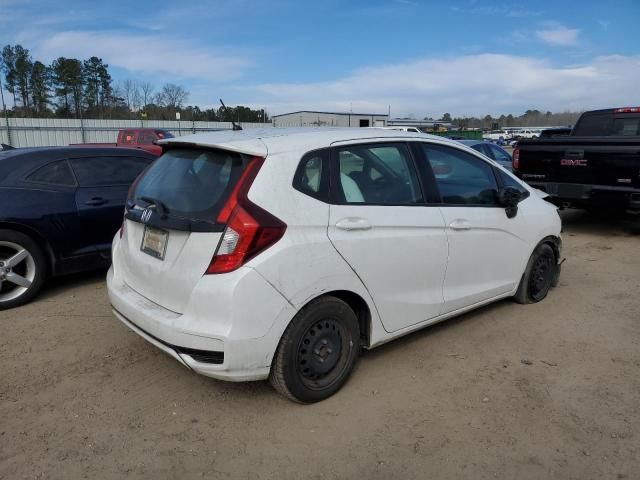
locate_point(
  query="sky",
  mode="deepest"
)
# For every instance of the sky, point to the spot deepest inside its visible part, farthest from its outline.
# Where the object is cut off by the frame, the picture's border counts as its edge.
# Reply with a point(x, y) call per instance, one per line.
point(414, 58)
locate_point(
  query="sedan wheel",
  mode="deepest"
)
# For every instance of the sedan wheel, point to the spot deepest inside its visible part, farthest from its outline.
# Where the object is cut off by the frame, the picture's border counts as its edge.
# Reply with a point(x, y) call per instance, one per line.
point(21, 269)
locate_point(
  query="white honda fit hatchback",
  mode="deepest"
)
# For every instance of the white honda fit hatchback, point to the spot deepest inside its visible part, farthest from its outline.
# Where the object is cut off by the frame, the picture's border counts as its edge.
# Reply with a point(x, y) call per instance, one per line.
point(280, 254)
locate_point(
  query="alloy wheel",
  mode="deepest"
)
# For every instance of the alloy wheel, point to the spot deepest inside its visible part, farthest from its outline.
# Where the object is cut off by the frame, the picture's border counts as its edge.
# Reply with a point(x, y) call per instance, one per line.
point(17, 270)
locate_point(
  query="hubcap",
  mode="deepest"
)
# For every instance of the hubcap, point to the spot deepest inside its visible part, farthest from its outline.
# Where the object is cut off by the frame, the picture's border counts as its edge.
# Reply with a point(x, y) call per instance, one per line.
point(320, 352)
point(17, 270)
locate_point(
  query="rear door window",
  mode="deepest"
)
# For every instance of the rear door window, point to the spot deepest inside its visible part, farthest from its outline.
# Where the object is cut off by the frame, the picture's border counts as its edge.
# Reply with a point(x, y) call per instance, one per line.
point(191, 183)
point(377, 174)
point(55, 173)
point(99, 171)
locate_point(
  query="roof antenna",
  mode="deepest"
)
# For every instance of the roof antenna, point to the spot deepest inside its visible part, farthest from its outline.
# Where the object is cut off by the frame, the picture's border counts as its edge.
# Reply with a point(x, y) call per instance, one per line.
point(235, 125)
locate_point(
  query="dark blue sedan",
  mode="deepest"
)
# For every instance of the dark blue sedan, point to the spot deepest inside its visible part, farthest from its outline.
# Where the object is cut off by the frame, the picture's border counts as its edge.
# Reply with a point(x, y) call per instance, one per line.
point(491, 150)
point(59, 210)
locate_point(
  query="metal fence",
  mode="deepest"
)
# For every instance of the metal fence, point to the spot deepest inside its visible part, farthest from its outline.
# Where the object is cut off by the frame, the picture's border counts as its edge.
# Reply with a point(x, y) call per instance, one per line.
point(40, 132)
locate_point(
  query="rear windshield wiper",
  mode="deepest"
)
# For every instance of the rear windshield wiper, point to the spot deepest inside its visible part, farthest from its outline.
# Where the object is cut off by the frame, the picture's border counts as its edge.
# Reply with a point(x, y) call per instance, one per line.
point(159, 204)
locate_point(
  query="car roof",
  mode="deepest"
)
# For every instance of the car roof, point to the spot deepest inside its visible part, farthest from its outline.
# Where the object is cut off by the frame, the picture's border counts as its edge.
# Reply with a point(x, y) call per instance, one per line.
point(71, 150)
point(16, 162)
point(264, 141)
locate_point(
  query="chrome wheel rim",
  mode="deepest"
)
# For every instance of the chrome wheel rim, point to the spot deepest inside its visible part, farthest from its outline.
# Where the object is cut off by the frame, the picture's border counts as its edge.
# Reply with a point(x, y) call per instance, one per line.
point(17, 270)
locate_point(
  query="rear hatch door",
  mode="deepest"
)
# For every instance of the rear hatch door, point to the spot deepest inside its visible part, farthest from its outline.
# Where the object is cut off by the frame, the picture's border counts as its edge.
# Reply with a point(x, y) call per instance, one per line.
point(170, 231)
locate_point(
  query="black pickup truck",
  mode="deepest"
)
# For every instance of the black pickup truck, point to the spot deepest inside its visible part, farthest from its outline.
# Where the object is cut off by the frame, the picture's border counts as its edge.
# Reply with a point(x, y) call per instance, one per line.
point(597, 166)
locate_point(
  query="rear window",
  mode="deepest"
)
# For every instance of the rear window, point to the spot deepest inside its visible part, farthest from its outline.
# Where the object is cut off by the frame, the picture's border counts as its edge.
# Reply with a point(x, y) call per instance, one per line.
point(56, 173)
point(192, 183)
point(608, 125)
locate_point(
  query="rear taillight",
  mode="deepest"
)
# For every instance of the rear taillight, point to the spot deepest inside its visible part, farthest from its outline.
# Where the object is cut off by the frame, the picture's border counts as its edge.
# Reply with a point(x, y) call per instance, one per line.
point(515, 158)
point(249, 229)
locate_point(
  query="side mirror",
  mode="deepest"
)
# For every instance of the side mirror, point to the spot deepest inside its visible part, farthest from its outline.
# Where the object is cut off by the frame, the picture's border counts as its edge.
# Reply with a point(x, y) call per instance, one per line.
point(509, 198)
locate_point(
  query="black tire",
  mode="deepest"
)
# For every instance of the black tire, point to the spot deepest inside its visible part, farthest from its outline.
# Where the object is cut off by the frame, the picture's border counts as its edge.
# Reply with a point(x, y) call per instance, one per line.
point(34, 266)
point(538, 277)
point(325, 330)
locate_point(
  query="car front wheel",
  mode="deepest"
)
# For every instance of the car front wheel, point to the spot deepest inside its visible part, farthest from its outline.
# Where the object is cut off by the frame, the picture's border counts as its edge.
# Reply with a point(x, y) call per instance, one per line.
point(22, 269)
point(317, 351)
point(539, 275)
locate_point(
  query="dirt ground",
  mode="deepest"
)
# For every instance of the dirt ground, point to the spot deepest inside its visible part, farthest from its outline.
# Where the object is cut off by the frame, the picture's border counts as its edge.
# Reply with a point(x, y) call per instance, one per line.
point(550, 390)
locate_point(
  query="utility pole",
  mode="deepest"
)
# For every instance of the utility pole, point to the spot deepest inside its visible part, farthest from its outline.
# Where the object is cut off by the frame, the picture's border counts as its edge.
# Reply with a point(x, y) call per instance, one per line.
point(6, 115)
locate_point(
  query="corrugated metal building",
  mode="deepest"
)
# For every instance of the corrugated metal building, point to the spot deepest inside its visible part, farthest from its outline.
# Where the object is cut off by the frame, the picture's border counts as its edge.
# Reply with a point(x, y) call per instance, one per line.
point(307, 118)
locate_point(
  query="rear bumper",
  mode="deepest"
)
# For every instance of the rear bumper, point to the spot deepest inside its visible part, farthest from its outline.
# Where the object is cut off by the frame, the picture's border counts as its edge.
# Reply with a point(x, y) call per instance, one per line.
point(585, 193)
point(234, 356)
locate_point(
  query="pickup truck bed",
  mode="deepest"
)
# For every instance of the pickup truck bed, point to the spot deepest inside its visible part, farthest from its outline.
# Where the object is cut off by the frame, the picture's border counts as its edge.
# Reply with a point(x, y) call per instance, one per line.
point(587, 171)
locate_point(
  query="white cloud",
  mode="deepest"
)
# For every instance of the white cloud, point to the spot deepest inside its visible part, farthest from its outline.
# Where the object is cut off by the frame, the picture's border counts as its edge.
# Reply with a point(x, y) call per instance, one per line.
point(467, 85)
point(559, 35)
point(148, 54)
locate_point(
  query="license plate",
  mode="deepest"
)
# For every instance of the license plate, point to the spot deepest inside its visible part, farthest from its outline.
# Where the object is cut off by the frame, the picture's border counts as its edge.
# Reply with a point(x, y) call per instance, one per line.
point(154, 242)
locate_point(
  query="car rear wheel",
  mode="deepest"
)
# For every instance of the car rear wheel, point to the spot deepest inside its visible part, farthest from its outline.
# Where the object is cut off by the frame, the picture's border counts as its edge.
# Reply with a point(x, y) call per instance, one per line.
point(538, 277)
point(317, 351)
point(22, 269)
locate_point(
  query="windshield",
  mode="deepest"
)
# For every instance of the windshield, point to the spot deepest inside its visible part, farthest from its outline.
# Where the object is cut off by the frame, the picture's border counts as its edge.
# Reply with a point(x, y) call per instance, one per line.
point(190, 183)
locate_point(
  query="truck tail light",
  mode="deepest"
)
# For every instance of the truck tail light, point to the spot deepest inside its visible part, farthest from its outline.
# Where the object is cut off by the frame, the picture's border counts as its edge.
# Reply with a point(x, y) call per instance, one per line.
point(515, 158)
point(249, 229)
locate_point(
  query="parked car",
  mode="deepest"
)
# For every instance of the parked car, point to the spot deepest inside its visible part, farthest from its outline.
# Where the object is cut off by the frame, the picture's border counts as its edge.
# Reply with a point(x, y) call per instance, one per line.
point(280, 253)
point(490, 150)
point(526, 133)
point(61, 207)
point(495, 135)
point(596, 167)
point(142, 138)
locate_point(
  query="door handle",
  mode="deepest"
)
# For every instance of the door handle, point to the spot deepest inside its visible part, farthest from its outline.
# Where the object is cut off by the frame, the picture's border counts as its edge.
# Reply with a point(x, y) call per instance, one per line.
point(353, 223)
point(460, 224)
point(96, 201)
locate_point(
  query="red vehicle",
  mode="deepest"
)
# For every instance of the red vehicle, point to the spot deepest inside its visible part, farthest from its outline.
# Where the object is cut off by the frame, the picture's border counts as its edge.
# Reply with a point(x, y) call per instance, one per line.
point(142, 138)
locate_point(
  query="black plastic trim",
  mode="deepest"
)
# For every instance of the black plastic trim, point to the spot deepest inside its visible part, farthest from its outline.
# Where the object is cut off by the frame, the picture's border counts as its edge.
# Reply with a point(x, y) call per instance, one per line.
point(172, 222)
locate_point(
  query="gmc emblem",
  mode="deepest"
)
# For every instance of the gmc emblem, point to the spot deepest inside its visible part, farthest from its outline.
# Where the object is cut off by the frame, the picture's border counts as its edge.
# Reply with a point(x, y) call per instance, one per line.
point(569, 162)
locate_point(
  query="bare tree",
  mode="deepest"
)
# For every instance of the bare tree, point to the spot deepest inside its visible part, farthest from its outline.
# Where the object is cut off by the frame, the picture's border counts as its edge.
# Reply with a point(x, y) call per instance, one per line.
point(172, 96)
point(136, 97)
point(146, 89)
point(128, 88)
